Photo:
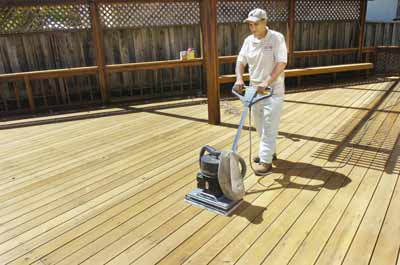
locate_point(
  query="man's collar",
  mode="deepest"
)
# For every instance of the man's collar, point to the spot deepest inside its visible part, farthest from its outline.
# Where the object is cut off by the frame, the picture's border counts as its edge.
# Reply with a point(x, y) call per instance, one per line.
point(254, 39)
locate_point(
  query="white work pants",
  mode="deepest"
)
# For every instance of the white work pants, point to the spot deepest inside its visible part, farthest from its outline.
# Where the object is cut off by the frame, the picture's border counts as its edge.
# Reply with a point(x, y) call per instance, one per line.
point(266, 115)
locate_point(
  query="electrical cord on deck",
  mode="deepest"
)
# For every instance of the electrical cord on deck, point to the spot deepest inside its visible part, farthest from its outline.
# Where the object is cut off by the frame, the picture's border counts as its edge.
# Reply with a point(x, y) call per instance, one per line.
point(349, 156)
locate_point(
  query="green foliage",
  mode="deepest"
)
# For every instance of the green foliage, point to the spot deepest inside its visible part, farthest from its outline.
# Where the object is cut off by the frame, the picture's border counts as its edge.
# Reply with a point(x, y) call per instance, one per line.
point(41, 18)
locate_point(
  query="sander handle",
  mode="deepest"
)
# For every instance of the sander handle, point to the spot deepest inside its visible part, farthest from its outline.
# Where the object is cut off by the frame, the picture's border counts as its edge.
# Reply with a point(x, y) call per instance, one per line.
point(243, 167)
point(237, 94)
point(211, 150)
point(268, 93)
point(254, 99)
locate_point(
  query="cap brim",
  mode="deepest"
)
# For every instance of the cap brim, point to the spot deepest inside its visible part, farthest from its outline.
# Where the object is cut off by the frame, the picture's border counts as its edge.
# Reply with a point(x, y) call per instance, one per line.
point(251, 19)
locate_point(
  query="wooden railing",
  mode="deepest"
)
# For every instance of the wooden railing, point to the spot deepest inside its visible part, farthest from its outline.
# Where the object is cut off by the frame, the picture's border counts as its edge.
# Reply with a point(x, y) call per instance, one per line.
point(210, 61)
point(118, 68)
point(90, 70)
point(301, 54)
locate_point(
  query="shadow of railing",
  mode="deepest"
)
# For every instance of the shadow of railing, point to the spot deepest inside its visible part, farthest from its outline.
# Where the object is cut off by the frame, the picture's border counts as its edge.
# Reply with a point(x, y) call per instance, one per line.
point(352, 143)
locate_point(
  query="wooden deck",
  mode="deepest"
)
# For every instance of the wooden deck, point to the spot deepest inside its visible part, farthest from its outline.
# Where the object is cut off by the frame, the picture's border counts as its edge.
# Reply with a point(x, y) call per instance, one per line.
point(108, 186)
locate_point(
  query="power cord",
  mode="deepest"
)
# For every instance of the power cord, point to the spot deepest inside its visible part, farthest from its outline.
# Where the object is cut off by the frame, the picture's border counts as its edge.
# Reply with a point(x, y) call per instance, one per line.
point(349, 156)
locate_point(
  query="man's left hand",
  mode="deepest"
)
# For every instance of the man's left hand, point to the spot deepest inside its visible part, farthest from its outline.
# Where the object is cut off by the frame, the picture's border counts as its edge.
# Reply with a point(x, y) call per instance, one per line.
point(261, 88)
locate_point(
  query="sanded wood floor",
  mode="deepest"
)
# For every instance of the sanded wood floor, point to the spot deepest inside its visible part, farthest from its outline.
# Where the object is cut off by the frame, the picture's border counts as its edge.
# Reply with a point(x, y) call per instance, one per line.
point(107, 187)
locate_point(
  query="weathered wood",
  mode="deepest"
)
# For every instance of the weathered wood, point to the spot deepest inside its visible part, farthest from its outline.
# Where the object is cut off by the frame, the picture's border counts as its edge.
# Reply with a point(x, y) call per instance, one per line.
point(67, 49)
point(208, 15)
point(166, 44)
point(382, 34)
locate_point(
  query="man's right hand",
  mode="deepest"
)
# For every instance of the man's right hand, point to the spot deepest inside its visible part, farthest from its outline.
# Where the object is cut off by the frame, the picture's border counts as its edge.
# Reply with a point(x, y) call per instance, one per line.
point(238, 86)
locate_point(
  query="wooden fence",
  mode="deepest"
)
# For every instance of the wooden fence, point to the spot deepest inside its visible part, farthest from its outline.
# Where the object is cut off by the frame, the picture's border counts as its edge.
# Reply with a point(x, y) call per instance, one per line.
point(126, 42)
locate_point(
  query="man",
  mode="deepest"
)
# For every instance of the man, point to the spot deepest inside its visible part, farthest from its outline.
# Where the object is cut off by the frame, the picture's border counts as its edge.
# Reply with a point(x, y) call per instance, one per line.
point(266, 54)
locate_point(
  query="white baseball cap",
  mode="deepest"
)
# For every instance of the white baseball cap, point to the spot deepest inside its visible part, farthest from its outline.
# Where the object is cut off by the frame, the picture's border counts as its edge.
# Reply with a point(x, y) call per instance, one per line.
point(256, 15)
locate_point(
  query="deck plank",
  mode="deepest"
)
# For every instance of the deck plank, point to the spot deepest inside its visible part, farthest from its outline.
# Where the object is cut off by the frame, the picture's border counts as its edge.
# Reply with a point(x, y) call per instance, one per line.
point(193, 173)
point(363, 243)
point(387, 245)
point(135, 247)
point(269, 238)
point(284, 199)
point(108, 188)
point(289, 244)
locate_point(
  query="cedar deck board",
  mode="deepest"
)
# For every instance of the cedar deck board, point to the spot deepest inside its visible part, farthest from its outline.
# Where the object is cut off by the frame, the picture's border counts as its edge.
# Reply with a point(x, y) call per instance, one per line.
point(110, 189)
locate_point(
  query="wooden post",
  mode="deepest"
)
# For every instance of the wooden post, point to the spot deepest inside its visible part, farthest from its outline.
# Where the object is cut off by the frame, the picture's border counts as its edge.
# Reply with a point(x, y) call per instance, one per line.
point(17, 96)
point(299, 80)
point(290, 30)
point(363, 14)
point(398, 11)
point(208, 17)
point(29, 94)
point(99, 47)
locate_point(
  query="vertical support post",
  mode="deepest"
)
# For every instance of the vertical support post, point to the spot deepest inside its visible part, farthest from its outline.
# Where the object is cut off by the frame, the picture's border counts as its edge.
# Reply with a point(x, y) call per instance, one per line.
point(367, 60)
point(373, 60)
point(208, 20)
point(99, 47)
point(17, 96)
point(299, 80)
point(398, 11)
point(29, 94)
point(290, 31)
point(363, 14)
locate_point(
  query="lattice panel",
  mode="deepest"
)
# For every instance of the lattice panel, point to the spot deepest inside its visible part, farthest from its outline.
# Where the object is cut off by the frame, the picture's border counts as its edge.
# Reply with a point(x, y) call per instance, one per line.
point(44, 18)
point(237, 11)
point(387, 60)
point(327, 10)
point(121, 15)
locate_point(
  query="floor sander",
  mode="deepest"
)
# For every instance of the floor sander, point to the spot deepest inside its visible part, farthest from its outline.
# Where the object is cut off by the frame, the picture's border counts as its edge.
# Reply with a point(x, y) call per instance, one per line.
point(220, 186)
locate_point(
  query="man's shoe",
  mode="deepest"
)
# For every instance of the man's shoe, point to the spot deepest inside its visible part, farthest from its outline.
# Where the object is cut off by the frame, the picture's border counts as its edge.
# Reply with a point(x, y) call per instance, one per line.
point(262, 169)
point(257, 159)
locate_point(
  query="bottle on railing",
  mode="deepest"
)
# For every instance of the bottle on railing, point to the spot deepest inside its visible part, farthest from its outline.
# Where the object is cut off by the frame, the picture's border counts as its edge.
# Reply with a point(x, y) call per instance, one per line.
point(183, 55)
point(190, 54)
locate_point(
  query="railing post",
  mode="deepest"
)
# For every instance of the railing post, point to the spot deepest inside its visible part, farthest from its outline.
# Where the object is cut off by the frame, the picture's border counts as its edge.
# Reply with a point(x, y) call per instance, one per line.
point(29, 94)
point(290, 31)
point(363, 14)
point(208, 21)
point(99, 47)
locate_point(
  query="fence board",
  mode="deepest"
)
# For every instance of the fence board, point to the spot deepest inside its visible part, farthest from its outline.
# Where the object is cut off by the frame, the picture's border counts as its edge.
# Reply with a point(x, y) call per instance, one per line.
point(52, 50)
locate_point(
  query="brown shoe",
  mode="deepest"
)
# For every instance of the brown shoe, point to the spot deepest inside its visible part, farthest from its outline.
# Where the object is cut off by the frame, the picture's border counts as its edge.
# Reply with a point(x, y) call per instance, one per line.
point(257, 158)
point(262, 169)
